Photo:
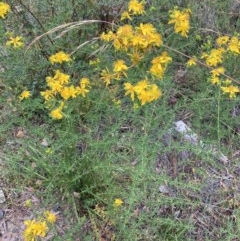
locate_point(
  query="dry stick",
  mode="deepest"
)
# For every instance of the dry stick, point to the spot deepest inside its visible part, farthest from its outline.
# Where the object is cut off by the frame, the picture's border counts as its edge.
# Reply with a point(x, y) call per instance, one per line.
point(47, 33)
point(40, 24)
point(211, 30)
point(73, 26)
point(67, 27)
point(102, 48)
point(83, 44)
point(199, 62)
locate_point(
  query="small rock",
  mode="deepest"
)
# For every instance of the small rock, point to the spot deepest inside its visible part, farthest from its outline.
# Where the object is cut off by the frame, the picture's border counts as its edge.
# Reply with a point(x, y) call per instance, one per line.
point(20, 134)
point(2, 213)
point(56, 208)
point(177, 214)
point(2, 197)
point(44, 142)
point(187, 133)
point(164, 189)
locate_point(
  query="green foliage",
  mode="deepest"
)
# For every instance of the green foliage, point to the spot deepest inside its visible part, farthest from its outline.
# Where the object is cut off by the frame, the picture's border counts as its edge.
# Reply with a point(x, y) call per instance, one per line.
point(91, 143)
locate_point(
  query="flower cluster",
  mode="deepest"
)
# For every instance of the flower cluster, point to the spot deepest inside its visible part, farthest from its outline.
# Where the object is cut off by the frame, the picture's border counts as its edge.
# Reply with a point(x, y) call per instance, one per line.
point(118, 202)
point(4, 9)
point(136, 42)
point(192, 61)
point(231, 90)
point(50, 217)
point(15, 42)
point(59, 57)
point(60, 87)
point(24, 95)
point(134, 8)
point(214, 57)
point(144, 91)
point(180, 19)
point(126, 38)
point(35, 229)
point(159, 65)
point(38, 228)
point(225, 47)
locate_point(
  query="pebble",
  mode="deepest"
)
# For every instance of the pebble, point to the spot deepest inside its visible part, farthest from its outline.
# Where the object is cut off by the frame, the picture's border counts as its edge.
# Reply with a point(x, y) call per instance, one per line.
point(2, 197)
point(2, 213)
point(56, 208)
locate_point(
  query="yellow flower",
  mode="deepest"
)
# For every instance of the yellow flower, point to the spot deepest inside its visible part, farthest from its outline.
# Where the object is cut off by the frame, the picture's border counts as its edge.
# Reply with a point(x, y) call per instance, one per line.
point(154, 92)
point(231, 90)
point(117, 202)
point(84, 82)
point(222, 40)
point(47, 94)
point(137, 8)
point(55, 86)
point(164, 58)
point(180, 19)
point(146, 29)
point(15, 42)
point(218, 71)
point(106, 76)
point(50, 217)
point(148, 93)
point(57, 82)
point(117, 44)
point(61, 77)
point(57, 113)
point(130, 90)
point(82, 91)
point(4, 9)
point(227, 82)
point(141, 86)
point(119, 66)
point(191, 62)
point(215, 80)
point(234, 45)
point(154, 39)
point(135, 57)
point(107, 36)
point(157, 70)
point(24, 95)
point(28, 203)
point(34, 229)
point(215, 57)
point(123, 37)
point(49, 151)
point(143, 96)
point(204, 55)
point(125, 15)
point(59, 57)
point(138, 40)
point(125, 31)
point(67, 92)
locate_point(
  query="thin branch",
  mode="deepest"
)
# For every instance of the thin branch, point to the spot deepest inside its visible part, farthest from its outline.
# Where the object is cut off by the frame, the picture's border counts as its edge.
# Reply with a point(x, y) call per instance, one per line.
point(83, 44)
point(67, 27)
point(38, 21)
point(199, 62)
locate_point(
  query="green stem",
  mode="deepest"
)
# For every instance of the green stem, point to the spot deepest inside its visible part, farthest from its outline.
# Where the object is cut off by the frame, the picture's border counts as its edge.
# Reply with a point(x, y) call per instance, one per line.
point(218, 115)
